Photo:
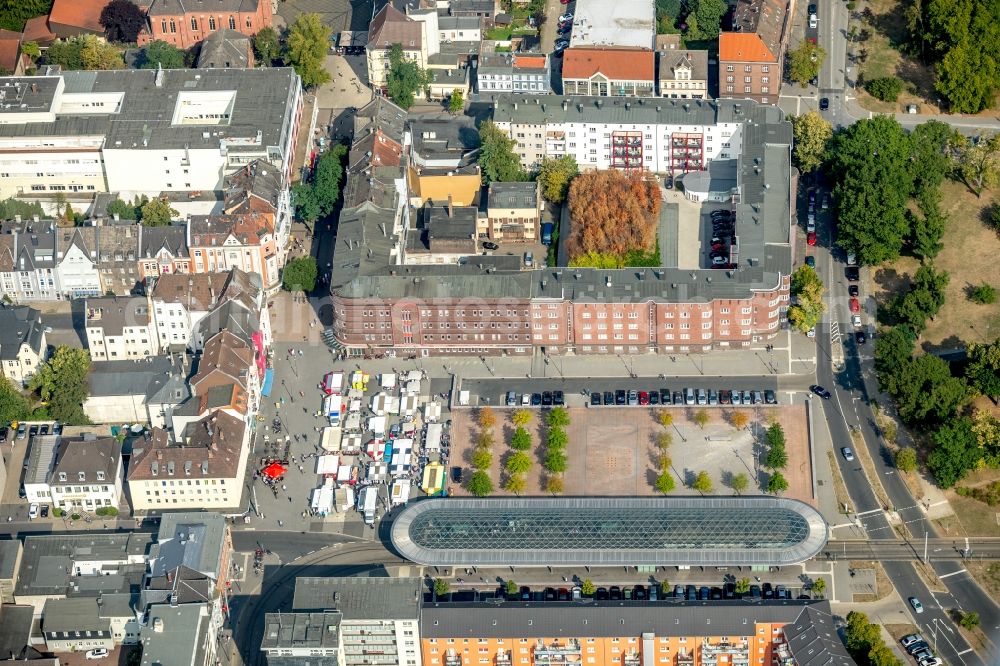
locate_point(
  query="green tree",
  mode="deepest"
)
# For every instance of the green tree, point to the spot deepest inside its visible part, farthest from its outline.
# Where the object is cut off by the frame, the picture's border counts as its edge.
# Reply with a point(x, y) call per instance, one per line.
point(266, 46)
point(702, 483)
point(481, 458)
point(521, 417)
point(742, 586)
point(160, 55)
point(704, 18)
point(664, 440)
point(929, 225)
point(497, 159)
point(84, 52)
point(871, 163)
point(956, 451)
point(157, 213)
point(775, 435)
point(819, 587)
point(961, 79)
point(555, 461)
point(515, 483)
point(557, 417)
point(317, 198)
point(970, 620)
point(702, 418)
point(885, 88)
point(906, 459)
point(893, 350)
point(587, 588)
point(983, 369)
point(14, 405)
point(882, 655)
point(777, 484)
point(808, 290)
point(926, 391)
point(923, 300)
point(930, 145)
point(665, 417)
point(777, 457)
point(739, 482)
point(517, 463)
point(480, 484)
point(861, 635)
point(520, 440)
point(441, 587)
point(456, 103)
point(555, 176)
point(977, 161)
point(123, 210)
point(300, 274)
point(511, 588)
point(556, 438)
point(306, 47)
point(406, 78)
point(14, 13)
point(665, 482)
point(812, 133)
point(984, 294)
point(805, 61)
point(62, 383)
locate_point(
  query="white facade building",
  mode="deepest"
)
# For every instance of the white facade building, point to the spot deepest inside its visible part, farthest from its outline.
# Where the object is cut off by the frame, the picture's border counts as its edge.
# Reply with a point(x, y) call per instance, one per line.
point(86, 132)
point(86, 475)
point(659, 135)
point(120, 329)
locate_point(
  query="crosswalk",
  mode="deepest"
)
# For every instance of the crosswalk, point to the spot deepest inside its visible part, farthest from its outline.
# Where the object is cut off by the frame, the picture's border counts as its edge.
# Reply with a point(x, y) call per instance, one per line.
point(834, 332)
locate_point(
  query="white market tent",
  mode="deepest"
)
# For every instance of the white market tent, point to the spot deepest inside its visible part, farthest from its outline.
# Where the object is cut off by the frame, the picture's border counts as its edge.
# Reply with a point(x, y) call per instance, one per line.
point(408, 405)
point(432, 411)
point(432, 440)
point(322, 499)
point(327, 465)
point(377, 425)
point(412, 387)
point(388, 380)
point(414, 375)
point(399, 493)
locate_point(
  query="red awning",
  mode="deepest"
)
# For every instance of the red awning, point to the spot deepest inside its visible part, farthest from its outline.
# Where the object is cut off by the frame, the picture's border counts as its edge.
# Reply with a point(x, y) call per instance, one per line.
point(274, 471)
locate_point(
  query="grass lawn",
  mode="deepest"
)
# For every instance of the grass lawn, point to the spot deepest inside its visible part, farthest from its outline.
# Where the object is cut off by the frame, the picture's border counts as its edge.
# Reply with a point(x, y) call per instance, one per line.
point(887, 33)
point(969, 256)
point(499, 34)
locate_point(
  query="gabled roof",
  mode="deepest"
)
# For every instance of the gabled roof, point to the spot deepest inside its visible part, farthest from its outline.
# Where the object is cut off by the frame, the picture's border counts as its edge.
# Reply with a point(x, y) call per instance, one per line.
point(615, 64)
point(744, 47)
point(225, 355)
point(180, 7)
point(255, 187)
point(84, 14)
point(210, 447)
point(197, 292)
point(812, 638)
point(37, 30)
point(10, 49)
point(763, 18)
point(215, 230)
point(172, 239)
point(392, 26)
point(375, 150)
point(20, 325)
point(671, 61)
point(225, 48)
point(380, 114)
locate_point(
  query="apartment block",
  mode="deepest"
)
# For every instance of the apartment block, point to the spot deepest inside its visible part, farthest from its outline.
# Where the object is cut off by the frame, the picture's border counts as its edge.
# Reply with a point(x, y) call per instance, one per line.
point(146, 131)
point(120, 329)
point(22, 343)
point(751, 57)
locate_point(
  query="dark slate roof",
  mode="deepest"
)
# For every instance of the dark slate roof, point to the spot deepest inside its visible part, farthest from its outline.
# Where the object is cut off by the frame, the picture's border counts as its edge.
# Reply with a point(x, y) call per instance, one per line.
point(15, 629)
point(171, 238)
point(530, 619)
point(513, 195)
point(360, 598)
point(224, 48)
point(20, 325)
point(813, 639)
point(382, 114)
point(193, 539)
point(156, 377)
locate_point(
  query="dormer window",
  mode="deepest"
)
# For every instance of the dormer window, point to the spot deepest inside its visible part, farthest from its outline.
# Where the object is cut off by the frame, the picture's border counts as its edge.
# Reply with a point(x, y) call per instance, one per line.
point(82, 476)
point(100, 476)
point(62, 476)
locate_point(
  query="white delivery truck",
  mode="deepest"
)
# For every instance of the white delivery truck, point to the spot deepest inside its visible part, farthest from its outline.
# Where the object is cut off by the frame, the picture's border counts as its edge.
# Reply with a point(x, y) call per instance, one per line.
point(367, 501)
point(331, 407)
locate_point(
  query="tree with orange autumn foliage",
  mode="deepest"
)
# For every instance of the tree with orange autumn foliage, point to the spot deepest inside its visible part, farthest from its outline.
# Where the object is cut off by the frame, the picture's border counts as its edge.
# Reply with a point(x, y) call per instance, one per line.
point(612, 214)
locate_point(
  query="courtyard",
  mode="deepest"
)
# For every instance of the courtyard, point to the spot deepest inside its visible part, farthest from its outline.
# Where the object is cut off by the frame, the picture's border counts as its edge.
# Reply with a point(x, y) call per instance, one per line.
point(613, 451)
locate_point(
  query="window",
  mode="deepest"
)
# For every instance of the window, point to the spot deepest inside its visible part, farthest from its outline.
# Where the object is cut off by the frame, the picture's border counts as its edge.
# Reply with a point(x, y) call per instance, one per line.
point(232, 23)
point(173, 26)
point(765, 68)
point(194, 23)
point(729, 68)
point(746, 89)
point(748, 68)
point(211, 23)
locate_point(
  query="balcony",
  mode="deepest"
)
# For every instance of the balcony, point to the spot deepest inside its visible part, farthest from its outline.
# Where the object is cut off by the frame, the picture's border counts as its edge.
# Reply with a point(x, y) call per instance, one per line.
point(631, 658)
point(557, 653)
point(685, 658)
point(503, 657)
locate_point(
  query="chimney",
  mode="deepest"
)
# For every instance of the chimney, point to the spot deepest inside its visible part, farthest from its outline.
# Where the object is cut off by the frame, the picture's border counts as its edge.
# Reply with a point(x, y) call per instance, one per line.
point(159, 76)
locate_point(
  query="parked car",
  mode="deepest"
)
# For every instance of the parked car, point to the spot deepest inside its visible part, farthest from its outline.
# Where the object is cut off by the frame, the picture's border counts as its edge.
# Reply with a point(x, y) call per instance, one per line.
point(932, 661)
point(511, 399)
point(755, 592)
point(615, 593)
point(910, 639)
point(737, 397)
point(664, 396)
point(643, 398)
point(855, 305)
point(44, 429)
point(810, 261)
point(852, 273)
point(654, 397)
point(568, 16)
point(32, 511)
point(702, 397)
point(758, 398)
point(917, 606)
point(456, 474)
point(811, 238)
point(919, 646)
point(690, 593)
point(770, 398)
point(847, 453)
point(3, 433)
point(601, 594)
point(536, 399)
point(97, 653)
point(633, 398)
point(620, 397)
point(824, 103)
point(547, 230)
point(609, 397)
point(32, 431)
point(853, 290)
point(44, 511)
point(490, 245)
point(860, 337)
point(678, 398)
point(558, 398)
point(856, 320)
point(595, 399)
point(546, 398)
point(22, 431)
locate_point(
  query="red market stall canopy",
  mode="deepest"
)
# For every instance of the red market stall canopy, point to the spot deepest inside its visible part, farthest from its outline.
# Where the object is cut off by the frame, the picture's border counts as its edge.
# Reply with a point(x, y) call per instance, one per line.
point(274, 471)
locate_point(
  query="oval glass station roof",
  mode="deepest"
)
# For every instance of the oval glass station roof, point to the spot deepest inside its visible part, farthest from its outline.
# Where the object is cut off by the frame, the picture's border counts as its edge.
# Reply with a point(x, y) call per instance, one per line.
point(604, 531)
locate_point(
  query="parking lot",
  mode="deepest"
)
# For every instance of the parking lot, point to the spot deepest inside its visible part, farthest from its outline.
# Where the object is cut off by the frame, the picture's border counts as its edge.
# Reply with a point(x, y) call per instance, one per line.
point(613, 450)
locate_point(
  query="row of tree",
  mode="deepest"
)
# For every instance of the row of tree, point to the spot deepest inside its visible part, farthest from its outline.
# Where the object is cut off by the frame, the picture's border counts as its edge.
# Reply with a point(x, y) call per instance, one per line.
point(777, 459)
point(480, 483)
point(807, 290)
point(556, 439)
point(864, 642)
point(316, 197)
point(57, 391)
point(518, 462)
point(150, 212)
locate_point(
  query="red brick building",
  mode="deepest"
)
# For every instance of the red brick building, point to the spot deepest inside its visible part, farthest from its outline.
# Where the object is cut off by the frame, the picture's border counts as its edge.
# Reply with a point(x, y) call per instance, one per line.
point(751, 57)
point(185, 24)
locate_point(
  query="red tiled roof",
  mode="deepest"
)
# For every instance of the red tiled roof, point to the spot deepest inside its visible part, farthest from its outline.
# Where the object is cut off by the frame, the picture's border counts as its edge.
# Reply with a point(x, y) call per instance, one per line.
point(529, 61)
point(84, 14)
point(743, 47)
point(616, 64)
point(37, 30)
point(10, 48)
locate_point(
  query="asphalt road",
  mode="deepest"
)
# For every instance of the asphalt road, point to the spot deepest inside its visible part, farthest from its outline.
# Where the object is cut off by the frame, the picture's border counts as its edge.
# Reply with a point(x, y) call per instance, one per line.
point(910, 550)
point(849, 408)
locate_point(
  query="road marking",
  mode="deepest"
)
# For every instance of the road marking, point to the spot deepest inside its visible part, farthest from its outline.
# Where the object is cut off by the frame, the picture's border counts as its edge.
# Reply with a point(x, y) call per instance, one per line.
point(953, 573)
point(965, 651)
point(867, 513)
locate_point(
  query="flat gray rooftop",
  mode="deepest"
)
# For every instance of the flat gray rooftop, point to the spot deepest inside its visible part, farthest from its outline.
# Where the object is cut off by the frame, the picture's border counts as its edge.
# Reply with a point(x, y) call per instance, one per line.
point(609, 531)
